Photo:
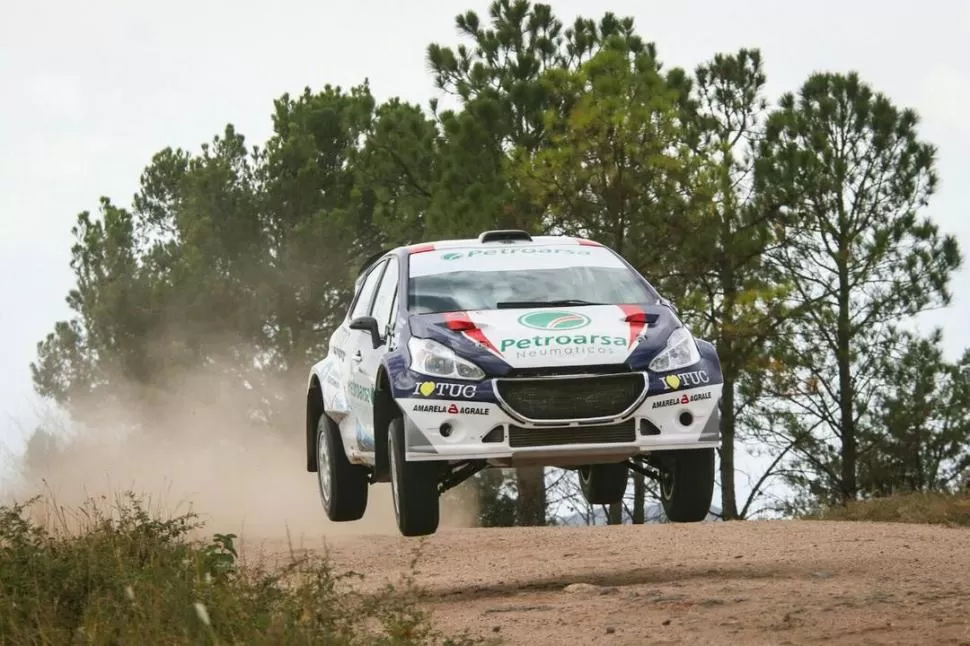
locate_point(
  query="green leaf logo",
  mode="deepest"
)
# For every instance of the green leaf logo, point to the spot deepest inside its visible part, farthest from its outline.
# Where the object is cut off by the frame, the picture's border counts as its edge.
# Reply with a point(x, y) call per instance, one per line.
point(554, 320)
point(452, 255)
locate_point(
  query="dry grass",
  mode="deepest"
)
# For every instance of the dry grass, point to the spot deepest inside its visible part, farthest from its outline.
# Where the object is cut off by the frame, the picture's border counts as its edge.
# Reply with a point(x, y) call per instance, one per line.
point(950, 509)
point(113, 573)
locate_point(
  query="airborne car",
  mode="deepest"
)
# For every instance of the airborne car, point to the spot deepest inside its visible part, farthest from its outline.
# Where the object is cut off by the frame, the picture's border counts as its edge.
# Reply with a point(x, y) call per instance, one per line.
point(510, 350)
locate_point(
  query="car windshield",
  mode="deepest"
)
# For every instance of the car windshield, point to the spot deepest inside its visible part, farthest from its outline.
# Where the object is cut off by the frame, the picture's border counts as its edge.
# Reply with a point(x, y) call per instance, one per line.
point(518, 276)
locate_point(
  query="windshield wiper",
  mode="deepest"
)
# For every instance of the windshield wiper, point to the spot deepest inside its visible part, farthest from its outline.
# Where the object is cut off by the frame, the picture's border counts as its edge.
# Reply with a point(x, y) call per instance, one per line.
point(566, 302)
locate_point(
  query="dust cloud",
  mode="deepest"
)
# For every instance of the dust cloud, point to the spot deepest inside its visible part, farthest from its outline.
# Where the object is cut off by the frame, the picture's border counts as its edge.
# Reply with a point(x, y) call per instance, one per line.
point(196, 451)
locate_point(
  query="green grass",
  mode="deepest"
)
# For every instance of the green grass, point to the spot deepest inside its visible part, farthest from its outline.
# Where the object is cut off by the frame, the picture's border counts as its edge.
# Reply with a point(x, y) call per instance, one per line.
point(124, 576)
point(950, 509)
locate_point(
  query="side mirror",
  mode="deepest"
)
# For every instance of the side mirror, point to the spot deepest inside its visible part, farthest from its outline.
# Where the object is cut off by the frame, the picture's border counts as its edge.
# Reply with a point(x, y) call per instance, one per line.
point(368, 324)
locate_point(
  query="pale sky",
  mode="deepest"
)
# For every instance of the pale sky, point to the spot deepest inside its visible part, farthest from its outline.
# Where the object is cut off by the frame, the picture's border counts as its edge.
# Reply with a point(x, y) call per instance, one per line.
point(90, 91)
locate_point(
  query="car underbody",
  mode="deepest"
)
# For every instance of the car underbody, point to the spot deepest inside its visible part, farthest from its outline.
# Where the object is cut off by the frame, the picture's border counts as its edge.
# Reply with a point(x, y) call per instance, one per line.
point(653, 467)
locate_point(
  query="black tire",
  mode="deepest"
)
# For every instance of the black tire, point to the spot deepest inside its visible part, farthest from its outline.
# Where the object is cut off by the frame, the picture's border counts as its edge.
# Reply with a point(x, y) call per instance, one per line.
point(346, 497)
point(687, 485)
point(414, 487)
point(604, 484)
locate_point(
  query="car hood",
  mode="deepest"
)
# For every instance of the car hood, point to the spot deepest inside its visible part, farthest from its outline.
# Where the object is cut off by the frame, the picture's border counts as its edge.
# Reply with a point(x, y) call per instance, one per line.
point(549, 337)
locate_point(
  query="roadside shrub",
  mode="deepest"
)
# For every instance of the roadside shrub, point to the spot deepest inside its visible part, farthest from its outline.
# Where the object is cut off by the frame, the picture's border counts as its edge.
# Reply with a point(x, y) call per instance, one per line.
point(127, 577)
point(951, 509)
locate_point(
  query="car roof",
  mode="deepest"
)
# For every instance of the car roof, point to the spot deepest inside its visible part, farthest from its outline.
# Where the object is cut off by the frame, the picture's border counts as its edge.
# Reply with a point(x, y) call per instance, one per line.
point(492, 238)
point(534, 241)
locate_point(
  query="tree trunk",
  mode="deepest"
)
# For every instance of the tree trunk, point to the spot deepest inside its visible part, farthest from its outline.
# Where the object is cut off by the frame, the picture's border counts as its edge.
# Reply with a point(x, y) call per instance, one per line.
point(729, 503)
point(639, 498)
point(614, 514)
point(727, 351)
point(531, 499)
point(847, 423)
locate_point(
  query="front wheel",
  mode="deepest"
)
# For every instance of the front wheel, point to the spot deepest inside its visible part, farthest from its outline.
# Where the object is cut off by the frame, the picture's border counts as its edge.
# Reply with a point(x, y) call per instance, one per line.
point(414, 487)
point(343, 485)
point(687, 485)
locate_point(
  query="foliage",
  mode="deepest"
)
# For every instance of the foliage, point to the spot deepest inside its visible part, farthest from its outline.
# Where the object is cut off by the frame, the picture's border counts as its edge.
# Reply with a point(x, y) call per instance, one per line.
point(920, 440)
point(846, 169)
point(615, 169)
point(129, 577)
point(732, 296)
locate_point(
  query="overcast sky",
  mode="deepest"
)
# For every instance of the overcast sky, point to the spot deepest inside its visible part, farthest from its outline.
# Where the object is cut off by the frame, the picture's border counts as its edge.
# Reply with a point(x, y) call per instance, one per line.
point(91, 90)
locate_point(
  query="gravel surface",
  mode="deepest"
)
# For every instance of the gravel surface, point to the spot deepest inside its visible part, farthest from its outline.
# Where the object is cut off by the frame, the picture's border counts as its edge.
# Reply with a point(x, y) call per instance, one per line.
point(764, 582)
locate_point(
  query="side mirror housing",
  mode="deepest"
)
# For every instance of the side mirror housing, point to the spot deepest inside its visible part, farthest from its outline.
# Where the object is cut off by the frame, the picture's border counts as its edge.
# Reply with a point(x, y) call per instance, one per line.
point(368, 324)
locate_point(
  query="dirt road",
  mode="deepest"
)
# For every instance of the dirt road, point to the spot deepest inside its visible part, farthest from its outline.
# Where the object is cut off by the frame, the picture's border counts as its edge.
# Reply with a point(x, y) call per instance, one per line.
point(769, 582)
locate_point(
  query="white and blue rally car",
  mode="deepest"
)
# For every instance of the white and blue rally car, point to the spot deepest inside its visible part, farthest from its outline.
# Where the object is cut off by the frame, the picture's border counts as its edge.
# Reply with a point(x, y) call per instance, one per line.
point(510, 350)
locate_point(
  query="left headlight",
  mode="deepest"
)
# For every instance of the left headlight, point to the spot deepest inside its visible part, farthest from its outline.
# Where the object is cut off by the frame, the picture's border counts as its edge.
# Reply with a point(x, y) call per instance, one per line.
point(680, 352)
point(432, 358)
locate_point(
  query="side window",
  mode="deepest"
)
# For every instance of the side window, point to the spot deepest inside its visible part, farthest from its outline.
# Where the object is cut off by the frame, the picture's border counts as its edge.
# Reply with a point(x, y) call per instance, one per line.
point(386, 293)
point(362, 304)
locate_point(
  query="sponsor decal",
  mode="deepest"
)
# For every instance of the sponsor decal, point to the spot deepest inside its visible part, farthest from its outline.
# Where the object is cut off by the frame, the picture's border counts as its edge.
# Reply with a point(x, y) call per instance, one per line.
point(326, 372)
point(517, 251)
point(554, 320)
point(686, 379)
point(563, 345)
point(446, 390)
point(453, 409)
point(683, 399)
point(636, 318)
point(360, 393)
point(559, 345)
point(429, 408)
point(364, 440)
point(461, 321)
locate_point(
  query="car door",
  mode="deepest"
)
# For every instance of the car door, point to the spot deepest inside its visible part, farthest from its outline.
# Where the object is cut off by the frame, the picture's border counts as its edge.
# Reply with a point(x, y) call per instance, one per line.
point(365, 359)
point(355, 342)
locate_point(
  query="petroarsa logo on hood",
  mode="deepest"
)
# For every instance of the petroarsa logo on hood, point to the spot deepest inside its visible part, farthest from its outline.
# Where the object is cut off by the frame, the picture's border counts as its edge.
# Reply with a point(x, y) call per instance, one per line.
point(562, 339)
point(554, 320)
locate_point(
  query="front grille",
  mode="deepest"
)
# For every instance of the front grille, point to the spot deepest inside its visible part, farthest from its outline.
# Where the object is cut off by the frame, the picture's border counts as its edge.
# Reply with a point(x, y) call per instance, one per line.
point(611, 434)
point(556, 371)
point(571, 397)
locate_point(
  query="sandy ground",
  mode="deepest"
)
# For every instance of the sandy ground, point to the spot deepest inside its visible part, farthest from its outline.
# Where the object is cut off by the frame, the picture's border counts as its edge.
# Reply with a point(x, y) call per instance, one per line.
point(767, 582)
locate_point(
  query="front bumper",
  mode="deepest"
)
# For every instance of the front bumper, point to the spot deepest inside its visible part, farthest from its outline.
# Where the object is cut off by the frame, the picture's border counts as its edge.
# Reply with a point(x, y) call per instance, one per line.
point(487, 426)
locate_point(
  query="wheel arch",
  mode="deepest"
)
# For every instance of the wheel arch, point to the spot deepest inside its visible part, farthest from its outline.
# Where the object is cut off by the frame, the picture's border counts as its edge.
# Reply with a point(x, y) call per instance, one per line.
point(385, 409)
point(314, 409)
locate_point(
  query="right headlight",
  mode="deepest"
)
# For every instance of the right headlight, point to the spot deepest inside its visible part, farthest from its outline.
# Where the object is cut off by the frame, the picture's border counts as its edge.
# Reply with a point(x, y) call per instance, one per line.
point(436, 360)
point(680, 352)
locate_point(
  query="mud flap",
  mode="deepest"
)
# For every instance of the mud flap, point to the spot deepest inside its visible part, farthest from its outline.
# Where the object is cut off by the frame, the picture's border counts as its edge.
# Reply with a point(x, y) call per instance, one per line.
point(712, 429)
point(415, 439)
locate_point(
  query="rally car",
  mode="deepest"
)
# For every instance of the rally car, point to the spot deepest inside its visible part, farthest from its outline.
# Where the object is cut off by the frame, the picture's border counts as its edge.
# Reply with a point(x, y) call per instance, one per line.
point(510, 350)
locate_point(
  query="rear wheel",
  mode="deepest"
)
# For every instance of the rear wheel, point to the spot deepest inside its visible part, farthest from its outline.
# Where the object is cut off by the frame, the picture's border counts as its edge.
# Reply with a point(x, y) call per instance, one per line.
point(414, 487)
point(603, 484)
point(343, 486)
point(687, 485)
